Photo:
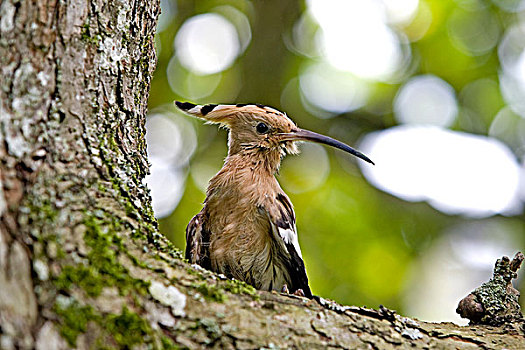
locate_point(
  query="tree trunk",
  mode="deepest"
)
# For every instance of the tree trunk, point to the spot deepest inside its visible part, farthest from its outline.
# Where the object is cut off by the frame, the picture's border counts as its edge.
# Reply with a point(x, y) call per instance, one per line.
point(82, 264)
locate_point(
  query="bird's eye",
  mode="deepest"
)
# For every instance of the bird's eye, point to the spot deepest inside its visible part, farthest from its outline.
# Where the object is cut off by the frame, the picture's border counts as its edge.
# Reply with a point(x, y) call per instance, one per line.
point(262, 128)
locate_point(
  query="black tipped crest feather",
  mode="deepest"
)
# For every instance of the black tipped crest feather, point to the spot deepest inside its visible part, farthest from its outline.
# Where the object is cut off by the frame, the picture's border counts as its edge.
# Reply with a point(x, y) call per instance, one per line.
point(185, 105)
point(207, 108)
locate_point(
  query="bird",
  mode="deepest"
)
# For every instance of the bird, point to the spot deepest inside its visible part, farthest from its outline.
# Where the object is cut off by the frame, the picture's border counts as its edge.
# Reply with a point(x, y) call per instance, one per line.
point(246, 229)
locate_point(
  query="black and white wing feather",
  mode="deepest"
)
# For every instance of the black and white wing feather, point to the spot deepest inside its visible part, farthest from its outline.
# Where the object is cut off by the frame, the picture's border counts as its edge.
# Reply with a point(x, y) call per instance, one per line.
point(198, 242)
point(283, 227)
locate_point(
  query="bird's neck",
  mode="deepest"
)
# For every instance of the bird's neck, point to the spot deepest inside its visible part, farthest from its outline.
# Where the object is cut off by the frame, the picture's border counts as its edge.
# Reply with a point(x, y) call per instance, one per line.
point(247, 174)
point(261, 161)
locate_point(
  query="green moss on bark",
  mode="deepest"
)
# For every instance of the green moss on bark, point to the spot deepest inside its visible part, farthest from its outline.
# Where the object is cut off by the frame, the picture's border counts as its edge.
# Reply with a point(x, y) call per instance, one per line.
point(128, 328)
point(103, 271)
point(217, 291)
point(211, 291)
point(74, 320)
point(125, 329)
point(84, 277)
point(240, 287)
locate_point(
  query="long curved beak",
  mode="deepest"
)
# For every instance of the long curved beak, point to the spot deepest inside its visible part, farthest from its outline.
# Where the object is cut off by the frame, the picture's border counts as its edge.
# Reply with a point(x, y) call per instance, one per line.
point(306, 135)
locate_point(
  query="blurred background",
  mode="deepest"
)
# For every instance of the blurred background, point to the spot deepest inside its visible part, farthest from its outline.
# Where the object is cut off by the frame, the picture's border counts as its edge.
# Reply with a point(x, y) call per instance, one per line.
point(432, 90)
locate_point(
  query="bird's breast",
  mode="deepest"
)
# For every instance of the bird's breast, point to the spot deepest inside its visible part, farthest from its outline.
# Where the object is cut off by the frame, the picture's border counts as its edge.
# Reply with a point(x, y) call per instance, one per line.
point(241, 246)
point(241, 243)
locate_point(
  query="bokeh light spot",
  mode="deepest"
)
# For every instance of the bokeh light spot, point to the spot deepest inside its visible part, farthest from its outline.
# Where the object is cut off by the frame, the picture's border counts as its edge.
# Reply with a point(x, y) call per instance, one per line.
point(509, 128)
point(401, 11)
point(333, 90)
point(482, 97)
point(171, 142)
point(513, 90)
point(510, 5)
point(168, 11)
point(207, 44)
point(420, 24)
point(171, 139)
point(188, 84)
point(167, 186)
point(474, 32)
point(240, 21)
point(356, 38)
point(426, 99)
point(457, 173)
point(511, 53)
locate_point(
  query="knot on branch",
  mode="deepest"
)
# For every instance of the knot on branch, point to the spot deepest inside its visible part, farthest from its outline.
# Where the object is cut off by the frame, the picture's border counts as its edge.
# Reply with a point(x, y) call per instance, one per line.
point(495, 302)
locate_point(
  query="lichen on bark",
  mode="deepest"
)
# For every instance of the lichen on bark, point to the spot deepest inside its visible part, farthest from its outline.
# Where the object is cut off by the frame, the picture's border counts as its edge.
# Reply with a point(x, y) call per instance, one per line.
point(496, 302)
point(75, 76)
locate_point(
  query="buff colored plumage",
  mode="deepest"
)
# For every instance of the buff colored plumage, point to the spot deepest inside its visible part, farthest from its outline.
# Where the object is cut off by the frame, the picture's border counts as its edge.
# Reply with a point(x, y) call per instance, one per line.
point(246, 228)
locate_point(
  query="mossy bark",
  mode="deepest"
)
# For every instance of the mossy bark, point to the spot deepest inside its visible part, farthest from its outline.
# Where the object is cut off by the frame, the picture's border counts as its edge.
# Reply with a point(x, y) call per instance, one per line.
point(82, 264)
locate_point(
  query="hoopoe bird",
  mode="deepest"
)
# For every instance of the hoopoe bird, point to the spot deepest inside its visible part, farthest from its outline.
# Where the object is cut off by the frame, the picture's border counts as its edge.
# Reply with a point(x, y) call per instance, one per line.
point(246, 228)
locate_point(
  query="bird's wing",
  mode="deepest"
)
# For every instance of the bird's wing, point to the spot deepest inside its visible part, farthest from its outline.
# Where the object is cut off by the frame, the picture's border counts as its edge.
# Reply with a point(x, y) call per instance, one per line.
point(198, 242)
point(282, 219)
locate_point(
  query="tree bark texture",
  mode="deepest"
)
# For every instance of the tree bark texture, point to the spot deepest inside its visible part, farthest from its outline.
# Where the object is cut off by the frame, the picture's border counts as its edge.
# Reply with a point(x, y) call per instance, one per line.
point(82, 264)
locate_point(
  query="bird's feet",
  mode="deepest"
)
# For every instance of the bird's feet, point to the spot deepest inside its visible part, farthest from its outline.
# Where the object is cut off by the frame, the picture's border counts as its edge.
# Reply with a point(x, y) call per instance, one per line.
point(298, 292)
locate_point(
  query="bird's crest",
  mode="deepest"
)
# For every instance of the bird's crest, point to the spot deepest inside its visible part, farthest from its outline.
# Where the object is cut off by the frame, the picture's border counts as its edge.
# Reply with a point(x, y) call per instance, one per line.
point(226, 114)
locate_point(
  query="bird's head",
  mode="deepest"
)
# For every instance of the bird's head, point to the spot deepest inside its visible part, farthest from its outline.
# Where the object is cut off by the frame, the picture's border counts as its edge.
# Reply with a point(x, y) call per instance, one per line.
point(258, 127)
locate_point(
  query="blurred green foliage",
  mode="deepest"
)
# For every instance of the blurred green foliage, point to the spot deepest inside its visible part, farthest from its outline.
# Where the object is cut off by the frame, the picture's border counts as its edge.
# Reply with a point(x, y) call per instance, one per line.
point(358, 242)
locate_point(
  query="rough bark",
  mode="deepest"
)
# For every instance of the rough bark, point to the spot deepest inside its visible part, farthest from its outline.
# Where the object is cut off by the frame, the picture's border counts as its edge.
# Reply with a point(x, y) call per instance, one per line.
point(495, 302)
point(82, 264)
